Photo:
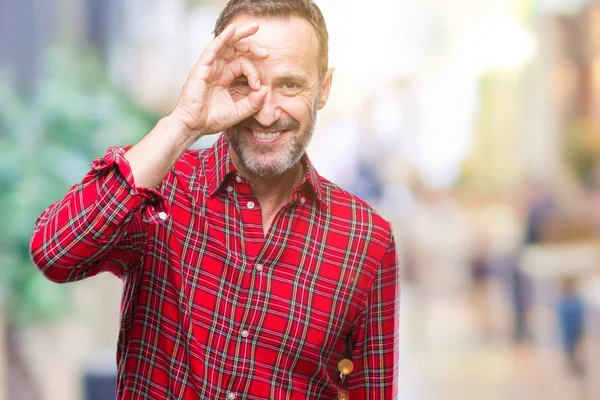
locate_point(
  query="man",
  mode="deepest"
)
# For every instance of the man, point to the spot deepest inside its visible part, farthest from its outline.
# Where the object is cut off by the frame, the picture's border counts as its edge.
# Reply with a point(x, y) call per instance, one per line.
point(246, 274)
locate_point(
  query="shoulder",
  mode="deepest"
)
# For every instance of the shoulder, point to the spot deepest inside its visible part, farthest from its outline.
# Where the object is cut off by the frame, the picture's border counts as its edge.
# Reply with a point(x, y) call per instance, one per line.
point(189, 162)
point(191, 166)
point(351, 212)
point(188, 173)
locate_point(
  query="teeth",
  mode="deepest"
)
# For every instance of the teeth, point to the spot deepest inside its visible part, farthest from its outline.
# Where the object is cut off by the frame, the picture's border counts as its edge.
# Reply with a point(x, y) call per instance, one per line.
point(266, 136)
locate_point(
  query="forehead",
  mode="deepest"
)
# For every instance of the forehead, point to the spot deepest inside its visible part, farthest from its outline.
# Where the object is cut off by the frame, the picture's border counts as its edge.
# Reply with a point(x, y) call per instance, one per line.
point(289, 40)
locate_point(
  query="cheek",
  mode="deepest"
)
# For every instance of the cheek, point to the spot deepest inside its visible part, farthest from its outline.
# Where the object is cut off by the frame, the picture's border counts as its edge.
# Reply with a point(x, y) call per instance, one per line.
point(299, 108)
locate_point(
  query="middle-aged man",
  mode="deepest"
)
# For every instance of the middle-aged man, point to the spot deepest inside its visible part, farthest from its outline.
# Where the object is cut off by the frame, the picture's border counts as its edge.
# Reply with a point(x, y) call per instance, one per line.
point(246, 274)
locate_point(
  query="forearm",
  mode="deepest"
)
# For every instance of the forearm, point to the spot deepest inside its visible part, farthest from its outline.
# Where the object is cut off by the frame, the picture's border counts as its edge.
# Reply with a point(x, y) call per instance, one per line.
point(376, 340)
point(152, 158)
point(101, 214)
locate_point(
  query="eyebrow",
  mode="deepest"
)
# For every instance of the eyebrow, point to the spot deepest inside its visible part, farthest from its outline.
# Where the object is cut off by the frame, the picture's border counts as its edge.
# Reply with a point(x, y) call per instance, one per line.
point(292, 76)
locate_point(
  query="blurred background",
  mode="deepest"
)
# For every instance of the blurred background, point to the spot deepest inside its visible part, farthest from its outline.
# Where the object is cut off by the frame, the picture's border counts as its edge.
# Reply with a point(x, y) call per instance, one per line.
point(473, 125)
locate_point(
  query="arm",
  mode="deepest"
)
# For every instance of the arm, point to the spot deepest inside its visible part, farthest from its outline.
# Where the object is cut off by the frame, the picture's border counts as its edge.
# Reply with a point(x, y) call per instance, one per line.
point(376, 351)
point(205, 105)
point(99, 224)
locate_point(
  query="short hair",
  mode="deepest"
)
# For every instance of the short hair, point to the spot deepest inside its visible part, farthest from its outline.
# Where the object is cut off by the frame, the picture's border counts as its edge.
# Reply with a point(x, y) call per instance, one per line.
point(305, 9)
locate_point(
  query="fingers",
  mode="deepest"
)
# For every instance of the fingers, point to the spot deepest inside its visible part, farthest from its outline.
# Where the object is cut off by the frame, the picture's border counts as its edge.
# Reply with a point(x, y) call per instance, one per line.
point(251, 48)
point(230, 41)
point(228, 53)
point(209, 54)
point(230, 36)
point(250, 104)
point(243, 66)
point(243, 32)
point(246, 47)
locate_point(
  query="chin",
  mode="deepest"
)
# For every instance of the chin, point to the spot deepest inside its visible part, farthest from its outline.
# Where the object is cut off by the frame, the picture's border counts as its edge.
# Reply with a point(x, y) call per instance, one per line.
point(266, 160)
point(265, 166)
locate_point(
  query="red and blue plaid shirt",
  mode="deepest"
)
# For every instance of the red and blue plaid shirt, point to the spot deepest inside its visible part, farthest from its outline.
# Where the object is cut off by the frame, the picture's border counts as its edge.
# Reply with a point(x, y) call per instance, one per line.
point(214, 309)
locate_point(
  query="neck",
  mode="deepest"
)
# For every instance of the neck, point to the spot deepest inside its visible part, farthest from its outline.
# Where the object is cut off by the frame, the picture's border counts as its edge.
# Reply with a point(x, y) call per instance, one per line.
point(272, 192)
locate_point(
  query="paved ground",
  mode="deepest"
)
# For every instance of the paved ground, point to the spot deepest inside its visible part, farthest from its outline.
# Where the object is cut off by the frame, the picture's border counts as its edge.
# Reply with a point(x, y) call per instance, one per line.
point(446, 354)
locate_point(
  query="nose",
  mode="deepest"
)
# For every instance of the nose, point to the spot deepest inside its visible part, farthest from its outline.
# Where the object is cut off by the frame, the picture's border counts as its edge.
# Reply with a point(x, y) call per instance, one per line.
point(269, 112)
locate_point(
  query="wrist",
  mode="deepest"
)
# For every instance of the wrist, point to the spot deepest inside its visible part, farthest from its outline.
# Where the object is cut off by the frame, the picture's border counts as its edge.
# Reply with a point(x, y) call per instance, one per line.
point(182, 132)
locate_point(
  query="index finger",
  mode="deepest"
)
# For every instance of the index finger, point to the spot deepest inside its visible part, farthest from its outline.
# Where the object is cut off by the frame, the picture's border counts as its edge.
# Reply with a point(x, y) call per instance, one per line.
point(244, 32)
point(221, 40)
point(252, 48)
point(230, 35)
point(209, 54)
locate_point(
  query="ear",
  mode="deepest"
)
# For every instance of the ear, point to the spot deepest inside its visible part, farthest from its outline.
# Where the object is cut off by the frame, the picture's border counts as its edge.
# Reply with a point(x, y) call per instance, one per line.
point(325, 89)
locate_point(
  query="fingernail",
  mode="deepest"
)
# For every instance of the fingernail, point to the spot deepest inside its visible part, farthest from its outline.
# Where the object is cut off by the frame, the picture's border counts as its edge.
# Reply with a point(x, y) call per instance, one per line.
point(258, 83)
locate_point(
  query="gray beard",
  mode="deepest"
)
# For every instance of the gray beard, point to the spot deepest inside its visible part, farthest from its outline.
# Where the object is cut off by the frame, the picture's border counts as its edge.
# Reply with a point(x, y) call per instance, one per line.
point(283, 161)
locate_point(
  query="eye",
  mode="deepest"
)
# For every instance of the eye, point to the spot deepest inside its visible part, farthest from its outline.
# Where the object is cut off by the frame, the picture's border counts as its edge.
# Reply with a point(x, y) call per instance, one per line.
point(240, 86)
point(290, 86)
point(241, 83)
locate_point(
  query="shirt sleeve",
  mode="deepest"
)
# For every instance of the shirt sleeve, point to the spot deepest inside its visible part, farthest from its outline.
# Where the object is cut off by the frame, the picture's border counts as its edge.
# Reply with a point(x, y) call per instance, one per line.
point(376, 339)
point(99, 225)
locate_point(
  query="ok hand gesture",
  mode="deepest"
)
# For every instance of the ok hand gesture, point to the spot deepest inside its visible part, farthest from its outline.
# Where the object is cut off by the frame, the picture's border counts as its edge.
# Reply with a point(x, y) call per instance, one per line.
point(205, 105)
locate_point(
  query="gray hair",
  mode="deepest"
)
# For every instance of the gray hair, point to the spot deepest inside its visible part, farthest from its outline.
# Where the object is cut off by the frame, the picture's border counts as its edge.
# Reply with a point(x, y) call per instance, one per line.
point(306, 9)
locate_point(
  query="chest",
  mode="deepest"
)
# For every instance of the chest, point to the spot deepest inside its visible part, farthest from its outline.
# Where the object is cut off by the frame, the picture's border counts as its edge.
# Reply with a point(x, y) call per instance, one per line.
point(306, 277)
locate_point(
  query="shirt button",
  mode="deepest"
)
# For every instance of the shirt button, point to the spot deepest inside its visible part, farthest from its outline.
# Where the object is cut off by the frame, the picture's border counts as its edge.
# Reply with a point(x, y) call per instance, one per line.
point(231, 396)
point(230, 189)
point(245, 333)
point(251, 205)
point(162, 215)
point(132, 192)
point(302, 200)
point(259, 267)
point(238, 179)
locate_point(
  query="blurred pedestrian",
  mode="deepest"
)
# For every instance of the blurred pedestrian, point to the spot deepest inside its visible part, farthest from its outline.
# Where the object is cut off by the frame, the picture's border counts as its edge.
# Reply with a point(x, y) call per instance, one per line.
point(541, 209)
point(571, 322)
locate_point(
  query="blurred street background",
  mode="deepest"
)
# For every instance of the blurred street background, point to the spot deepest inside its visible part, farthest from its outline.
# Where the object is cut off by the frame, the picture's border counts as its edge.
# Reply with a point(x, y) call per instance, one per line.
point(473, 125)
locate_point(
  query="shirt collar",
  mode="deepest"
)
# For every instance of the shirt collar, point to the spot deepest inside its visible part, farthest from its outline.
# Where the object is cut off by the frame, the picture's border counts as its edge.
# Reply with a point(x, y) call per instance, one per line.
point(218, 166)
point(314, 180)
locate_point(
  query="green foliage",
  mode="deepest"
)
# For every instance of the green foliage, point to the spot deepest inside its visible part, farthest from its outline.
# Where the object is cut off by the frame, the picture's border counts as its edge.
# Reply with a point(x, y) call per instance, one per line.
point(582, 147)
point(46, 145)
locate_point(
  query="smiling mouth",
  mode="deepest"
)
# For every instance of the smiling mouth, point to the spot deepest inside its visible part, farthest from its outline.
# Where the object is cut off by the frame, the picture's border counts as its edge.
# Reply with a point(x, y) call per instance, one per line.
point(266, 137)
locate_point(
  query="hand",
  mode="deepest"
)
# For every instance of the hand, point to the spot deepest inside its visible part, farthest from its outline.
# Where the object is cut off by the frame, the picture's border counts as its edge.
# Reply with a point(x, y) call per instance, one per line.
point(205, 105)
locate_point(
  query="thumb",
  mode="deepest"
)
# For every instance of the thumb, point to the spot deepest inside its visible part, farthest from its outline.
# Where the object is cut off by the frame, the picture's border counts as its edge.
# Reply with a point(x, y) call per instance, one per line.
point(251, 103)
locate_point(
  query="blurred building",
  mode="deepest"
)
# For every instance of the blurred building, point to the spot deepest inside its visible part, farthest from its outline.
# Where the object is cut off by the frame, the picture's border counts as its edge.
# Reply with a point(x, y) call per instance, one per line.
point(29, 27)
point(450, 114)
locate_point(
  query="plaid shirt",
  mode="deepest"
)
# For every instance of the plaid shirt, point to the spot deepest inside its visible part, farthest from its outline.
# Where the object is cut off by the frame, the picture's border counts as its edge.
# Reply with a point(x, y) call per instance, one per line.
point(214, 309)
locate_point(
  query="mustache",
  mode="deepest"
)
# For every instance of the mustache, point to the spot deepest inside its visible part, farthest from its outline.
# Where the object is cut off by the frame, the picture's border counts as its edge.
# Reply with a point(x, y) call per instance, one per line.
point(279, 125)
